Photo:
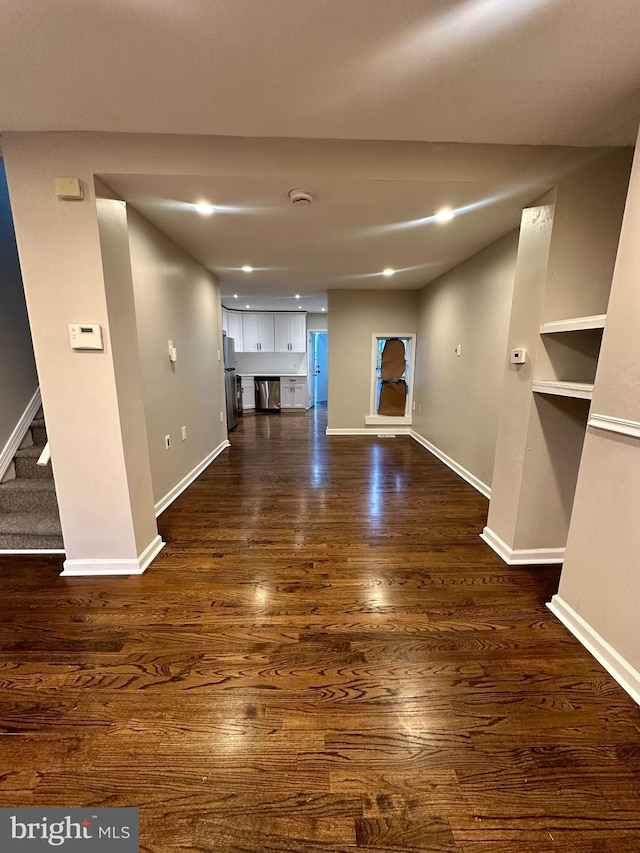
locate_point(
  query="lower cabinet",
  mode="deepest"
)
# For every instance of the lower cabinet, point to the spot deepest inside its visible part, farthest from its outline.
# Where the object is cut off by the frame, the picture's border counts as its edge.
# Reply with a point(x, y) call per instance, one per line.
point(248, 393)
point(293, 393)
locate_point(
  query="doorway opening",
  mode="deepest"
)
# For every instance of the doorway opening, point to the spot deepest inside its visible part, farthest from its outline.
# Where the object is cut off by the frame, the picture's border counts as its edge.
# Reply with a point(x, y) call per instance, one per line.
point(318, 361)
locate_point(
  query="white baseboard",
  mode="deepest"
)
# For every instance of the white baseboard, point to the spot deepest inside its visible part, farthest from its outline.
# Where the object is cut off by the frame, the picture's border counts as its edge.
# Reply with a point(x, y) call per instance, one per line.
point(451, 463)
point(15, 439)
point(99, 568)
point(627, 677)
point(388, 420)
point(179, 488)
point(374, 431)
point(522, 557)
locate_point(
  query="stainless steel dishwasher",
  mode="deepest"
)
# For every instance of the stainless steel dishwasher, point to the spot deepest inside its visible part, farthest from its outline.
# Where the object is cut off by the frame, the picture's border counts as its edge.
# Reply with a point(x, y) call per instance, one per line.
point(267, 394)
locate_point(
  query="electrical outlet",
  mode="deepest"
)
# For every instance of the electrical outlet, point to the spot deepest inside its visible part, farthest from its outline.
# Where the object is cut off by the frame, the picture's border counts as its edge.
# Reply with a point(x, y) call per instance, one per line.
point(218, 355)
point(419, 408)
point(458, 350)
point(413, 406)
point(167, 442)
point(184, 433)
point(221, 417)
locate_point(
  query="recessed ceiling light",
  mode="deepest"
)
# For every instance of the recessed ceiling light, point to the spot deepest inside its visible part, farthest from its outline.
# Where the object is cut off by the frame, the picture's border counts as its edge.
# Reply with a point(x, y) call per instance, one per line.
point(297, 296)
point(324, 309)
point(299, 307)
point(235, 295)
point(204, 208)
point(388, 271)
point(247, 268)
point(445, 215)
point(247, 306)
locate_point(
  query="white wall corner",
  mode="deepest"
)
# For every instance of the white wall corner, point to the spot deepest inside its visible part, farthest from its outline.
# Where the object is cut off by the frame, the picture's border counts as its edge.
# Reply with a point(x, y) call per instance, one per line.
point(618, 667)
point(20, 430)
point(99, 568)
point(522, 556)
point(474, 481)
point(186, 481)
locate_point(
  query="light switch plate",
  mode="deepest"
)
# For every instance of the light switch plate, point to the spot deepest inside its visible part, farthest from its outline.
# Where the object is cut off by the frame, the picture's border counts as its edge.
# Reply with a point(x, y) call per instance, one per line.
point(69, 189)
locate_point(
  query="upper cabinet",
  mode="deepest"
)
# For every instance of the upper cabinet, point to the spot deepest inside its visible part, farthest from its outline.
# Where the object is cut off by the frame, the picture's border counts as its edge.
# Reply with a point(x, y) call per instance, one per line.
point(257, 332)
point(290, 332)
point(263, 331)
point(234, 329)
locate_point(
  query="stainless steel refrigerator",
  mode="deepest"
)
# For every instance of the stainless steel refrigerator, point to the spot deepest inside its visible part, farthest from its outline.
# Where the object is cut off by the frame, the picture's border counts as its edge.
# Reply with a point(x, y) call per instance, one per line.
point(230, 390)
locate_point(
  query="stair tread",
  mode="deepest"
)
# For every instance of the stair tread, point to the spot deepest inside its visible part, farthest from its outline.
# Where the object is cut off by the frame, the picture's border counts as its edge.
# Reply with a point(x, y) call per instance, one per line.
point(30, 523)
point(25, 484)
point(32, 452)
point(11, 543)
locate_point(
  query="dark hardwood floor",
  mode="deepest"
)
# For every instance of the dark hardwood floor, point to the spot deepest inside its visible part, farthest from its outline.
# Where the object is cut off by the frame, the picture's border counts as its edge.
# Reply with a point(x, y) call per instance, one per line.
point(325, 657)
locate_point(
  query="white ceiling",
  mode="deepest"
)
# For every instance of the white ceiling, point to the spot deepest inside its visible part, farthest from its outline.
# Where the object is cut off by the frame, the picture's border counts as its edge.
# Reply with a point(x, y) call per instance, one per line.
point(353, 230)
point(559, 72)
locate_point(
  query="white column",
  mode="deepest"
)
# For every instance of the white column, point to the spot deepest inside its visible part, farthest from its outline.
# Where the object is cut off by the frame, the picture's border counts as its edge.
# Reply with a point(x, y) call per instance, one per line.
point(75, 265)
point(599, 591)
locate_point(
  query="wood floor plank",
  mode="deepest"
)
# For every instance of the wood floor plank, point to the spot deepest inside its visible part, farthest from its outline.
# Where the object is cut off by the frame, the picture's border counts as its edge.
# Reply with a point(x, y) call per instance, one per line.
point(324, 658)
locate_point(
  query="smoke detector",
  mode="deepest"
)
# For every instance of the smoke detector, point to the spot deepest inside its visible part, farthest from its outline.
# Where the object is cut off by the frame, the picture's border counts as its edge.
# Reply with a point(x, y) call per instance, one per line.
point(299, 196)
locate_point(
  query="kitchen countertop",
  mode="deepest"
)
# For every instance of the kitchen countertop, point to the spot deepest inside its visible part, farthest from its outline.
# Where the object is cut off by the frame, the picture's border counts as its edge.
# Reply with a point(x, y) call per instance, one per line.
point(275, 375)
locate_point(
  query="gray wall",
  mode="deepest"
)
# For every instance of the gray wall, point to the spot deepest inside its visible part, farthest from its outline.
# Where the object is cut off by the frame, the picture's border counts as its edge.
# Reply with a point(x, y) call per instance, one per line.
point(317, 322)
point(600, 578)
point(586, 229)
point(567, 251)
point(457, 399)
point(18, 379)
point(176, 299)
point(354, 316)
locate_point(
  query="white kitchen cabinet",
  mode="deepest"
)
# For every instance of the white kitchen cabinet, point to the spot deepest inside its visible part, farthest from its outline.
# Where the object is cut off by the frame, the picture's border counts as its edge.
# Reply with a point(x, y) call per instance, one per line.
point(290, 332)
point(234, 329)
point(257, 332)
point(293, 392)
point(248, 393)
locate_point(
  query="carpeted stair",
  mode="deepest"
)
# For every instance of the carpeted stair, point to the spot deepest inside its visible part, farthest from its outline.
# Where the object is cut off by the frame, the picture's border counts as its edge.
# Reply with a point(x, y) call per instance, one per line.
point(29, 518)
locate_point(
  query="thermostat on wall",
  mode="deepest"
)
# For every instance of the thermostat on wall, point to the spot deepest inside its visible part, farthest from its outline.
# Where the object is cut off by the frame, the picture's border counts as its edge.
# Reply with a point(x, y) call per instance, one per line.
point(85, 336)
point(518, 356)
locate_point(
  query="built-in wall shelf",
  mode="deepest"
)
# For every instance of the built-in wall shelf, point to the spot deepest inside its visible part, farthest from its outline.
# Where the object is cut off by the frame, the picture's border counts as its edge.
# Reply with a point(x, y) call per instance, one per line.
point(577, 390)
point(574, 324)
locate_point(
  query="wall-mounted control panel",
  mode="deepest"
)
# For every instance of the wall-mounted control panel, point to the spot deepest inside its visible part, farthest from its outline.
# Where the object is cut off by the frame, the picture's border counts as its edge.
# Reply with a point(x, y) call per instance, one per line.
point(518, 356)
point(69, 189)
point(85, 336)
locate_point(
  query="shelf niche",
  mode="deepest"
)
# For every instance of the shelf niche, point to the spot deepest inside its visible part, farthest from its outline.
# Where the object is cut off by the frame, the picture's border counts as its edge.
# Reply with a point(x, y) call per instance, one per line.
point(556, 388)
point(568, 356)
point(556, 437)
point(566, 256)
point(573, 324)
